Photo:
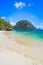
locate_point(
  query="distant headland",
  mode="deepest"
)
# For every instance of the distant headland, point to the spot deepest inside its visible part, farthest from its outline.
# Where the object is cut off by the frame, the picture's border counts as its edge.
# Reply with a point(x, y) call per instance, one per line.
point(24, 25)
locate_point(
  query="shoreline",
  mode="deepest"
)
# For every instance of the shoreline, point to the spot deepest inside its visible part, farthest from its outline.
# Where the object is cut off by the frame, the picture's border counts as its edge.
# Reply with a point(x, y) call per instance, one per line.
point(10, 45)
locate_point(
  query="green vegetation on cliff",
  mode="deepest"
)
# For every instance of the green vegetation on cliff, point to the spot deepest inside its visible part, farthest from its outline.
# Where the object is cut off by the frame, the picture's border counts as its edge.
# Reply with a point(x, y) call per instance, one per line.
point(4, 25)
point(24, 25)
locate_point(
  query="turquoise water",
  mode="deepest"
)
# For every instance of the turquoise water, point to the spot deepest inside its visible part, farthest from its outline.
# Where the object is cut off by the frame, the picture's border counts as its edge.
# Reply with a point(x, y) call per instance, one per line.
point(29, 34)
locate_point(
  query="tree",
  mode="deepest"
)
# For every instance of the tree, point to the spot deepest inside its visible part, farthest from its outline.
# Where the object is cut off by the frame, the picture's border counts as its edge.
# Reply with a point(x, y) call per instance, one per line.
point(4, 25)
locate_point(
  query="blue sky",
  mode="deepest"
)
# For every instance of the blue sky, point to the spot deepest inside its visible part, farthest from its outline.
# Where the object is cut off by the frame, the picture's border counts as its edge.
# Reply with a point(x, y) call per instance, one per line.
point(15, 10)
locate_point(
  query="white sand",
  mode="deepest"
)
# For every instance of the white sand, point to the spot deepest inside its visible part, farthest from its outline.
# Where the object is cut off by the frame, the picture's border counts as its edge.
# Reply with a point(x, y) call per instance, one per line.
point(13, 58)
point(11, 53)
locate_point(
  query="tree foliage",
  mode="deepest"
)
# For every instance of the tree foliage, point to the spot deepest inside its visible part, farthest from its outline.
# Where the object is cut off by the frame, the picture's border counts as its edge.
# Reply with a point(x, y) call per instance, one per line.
point(4, 25)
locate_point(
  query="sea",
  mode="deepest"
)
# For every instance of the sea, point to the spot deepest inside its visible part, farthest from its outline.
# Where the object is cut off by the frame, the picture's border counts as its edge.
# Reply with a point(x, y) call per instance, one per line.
point(32, 35)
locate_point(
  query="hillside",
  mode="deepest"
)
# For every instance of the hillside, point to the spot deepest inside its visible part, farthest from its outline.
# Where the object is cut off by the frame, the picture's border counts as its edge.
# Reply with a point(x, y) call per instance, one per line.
point(24, 25)
point(4, 25)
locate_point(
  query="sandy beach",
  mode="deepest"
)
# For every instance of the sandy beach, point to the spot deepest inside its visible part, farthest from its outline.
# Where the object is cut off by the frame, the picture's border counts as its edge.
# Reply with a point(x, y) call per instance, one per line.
point(24, 54)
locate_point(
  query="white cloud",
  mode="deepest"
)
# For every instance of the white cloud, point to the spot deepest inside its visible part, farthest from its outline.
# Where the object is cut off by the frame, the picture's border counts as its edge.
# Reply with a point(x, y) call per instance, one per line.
point(19, 5)
point(11, 20)
point(12, 23)
point(3, 17)
point(30, 4)
point(42, 23)
point(32, 16)
point(40, 26)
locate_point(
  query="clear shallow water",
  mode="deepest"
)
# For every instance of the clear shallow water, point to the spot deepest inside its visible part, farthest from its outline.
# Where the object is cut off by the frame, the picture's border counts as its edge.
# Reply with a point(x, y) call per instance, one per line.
point(29, 34)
